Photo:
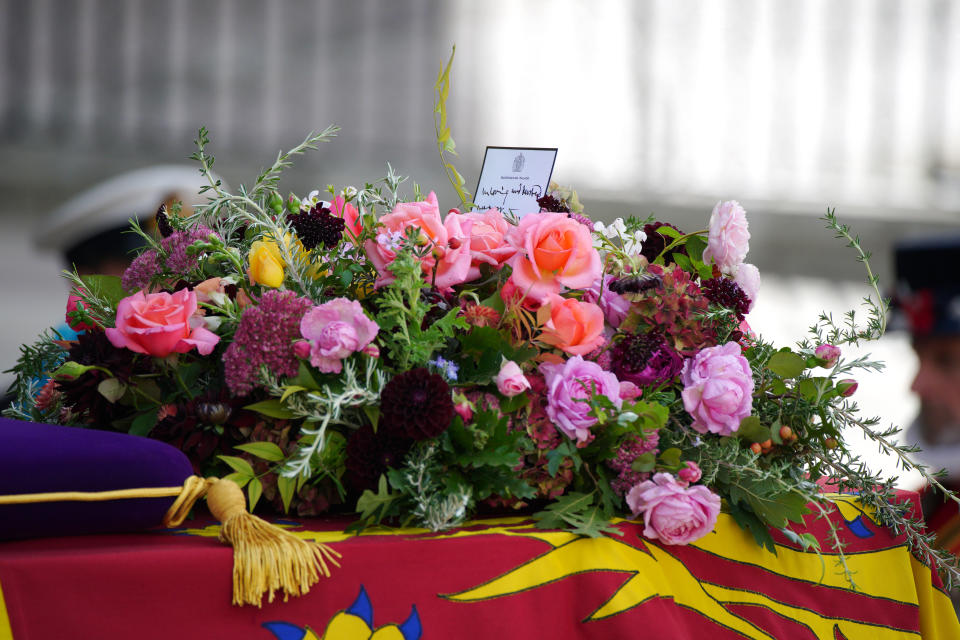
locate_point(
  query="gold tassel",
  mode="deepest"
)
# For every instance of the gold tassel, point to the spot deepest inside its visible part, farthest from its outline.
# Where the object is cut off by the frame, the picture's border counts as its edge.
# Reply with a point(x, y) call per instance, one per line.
point(266, 559)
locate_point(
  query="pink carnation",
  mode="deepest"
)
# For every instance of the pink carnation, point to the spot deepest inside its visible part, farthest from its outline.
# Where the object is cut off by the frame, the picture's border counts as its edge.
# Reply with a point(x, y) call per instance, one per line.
point(728, 239)
point(672, 512)
point(718, 388)
point(334, 330)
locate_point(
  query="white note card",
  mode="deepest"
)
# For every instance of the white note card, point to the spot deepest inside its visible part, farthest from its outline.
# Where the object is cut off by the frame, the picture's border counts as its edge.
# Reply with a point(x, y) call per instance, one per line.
point(513, 179)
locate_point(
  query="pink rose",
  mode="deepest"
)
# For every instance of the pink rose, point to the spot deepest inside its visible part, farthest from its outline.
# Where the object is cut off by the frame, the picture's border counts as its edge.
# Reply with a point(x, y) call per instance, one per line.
point(488, 240)
point(335, 330)
point(718, 388)
point(159, 324)
point(511, 381)
point(449, 239)
point(567, 384)
point(72, 309)
point(728, 238)
point(574, 327)
point(674, 513)
point(748, 279)
point(351, 217)
point(424, 215)
point(847, 387)
point(690, 473)
point(553, 251)
point(828, 355)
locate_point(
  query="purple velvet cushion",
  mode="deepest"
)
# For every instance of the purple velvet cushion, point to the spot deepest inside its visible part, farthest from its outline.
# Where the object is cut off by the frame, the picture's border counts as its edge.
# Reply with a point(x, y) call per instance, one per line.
point(42, 458)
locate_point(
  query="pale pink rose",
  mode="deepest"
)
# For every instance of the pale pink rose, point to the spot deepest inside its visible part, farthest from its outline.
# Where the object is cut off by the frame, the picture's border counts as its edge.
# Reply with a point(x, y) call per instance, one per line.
point(336, 329)
point(159, 324)
point(553, 251)
point(568, 384)
point(455, 256)
point(574, 327)
point(511, 381)
point(748, 279)
point(629, 391)
point(488, 240)
point(718, 389)
point(424, 215)
point(728, 239)
point(828, 354)
point(690, 473)
point(353, 225)
point(672, 512)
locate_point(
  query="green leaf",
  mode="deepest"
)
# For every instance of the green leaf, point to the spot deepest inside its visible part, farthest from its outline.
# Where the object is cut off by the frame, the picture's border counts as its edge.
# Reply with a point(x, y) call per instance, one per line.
point(750, 522)
point(373, 507)
point(143, 424)
point(576, 512)
point(305, 378)
point(107, 287)
point(752, 430)
point(683, 262)
point(263, 450)
point(695, 245)
point(787, 364)
point(517, 402)
point(286, 486)
point(555, 457)
point(671, 458)
point(645, 462)
point(111, 389)
point(777, 387)
point(271, 408)
point(254, 491)
point(373, 415)
point(239, 465)
point(239, 479)
point(808, 389)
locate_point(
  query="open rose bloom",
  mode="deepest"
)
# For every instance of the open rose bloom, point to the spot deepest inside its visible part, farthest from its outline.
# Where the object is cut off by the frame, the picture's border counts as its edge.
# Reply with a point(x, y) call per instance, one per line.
point(159, 324)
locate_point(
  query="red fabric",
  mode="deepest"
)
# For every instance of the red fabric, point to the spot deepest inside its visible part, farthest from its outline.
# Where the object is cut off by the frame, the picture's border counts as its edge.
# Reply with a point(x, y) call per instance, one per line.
point(174, 585)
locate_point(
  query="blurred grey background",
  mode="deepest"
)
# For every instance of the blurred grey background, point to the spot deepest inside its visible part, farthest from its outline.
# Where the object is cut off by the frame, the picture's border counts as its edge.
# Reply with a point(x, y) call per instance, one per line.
point(661, 106)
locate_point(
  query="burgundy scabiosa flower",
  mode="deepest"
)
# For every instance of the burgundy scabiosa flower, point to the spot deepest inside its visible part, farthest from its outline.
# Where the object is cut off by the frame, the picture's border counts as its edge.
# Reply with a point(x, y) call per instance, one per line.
point(645, 359)
point(369, 454)
point(265, 336)
point(417, 404)
point(317, 226)
point(726, 293)
point(656, 242)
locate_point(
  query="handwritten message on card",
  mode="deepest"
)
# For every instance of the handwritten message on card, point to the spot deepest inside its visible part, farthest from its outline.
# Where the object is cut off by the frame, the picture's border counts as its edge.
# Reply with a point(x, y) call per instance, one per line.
point(513, 178)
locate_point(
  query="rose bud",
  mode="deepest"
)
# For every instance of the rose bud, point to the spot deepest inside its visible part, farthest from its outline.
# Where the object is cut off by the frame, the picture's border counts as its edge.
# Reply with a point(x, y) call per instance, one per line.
point(828, 355)
point(847, 387)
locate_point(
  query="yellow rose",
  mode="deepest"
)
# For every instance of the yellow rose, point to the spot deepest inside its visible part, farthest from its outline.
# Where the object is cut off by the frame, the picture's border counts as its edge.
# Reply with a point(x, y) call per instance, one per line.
point(266, 264)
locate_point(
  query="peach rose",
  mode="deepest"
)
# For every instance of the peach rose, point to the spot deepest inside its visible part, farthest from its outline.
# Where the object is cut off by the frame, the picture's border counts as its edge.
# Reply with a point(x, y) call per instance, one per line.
point(553, 251)
point(159, 324)
point(488, 240)
point(454, 258)
point(574, 327)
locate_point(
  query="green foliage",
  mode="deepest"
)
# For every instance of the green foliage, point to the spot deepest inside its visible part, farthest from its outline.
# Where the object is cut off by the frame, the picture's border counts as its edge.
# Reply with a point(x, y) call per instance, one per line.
point(445, 143)
point(579, 513)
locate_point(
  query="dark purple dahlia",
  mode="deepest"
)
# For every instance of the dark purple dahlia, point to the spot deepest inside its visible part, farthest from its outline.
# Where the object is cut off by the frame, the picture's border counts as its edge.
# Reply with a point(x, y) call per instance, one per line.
point(369, 454)
point(416, 404)
point(645, 359)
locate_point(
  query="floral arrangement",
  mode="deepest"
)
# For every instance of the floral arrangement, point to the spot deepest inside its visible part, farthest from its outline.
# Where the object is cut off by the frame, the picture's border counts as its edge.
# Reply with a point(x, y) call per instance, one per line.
point(360, 350)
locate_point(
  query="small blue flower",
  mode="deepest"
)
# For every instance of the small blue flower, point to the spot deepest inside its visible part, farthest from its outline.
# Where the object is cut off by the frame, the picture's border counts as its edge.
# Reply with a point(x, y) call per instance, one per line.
point(445, 368)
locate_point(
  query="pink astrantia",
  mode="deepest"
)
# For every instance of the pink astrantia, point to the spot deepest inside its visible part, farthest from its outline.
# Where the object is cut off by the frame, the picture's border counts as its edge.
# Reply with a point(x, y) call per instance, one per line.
point(570, 382)
point(718, 388)
point(335, 330)
point(728, 239)
point(159, 324)
point(673, 512)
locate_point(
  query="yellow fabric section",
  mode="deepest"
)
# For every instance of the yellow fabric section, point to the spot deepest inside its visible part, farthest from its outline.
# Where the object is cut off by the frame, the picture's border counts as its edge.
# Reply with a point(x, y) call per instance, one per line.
point(346, 626)
point(821, 626)
point(6, 633)
point(935, 606)
point(871, 570)
point(388, 632)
